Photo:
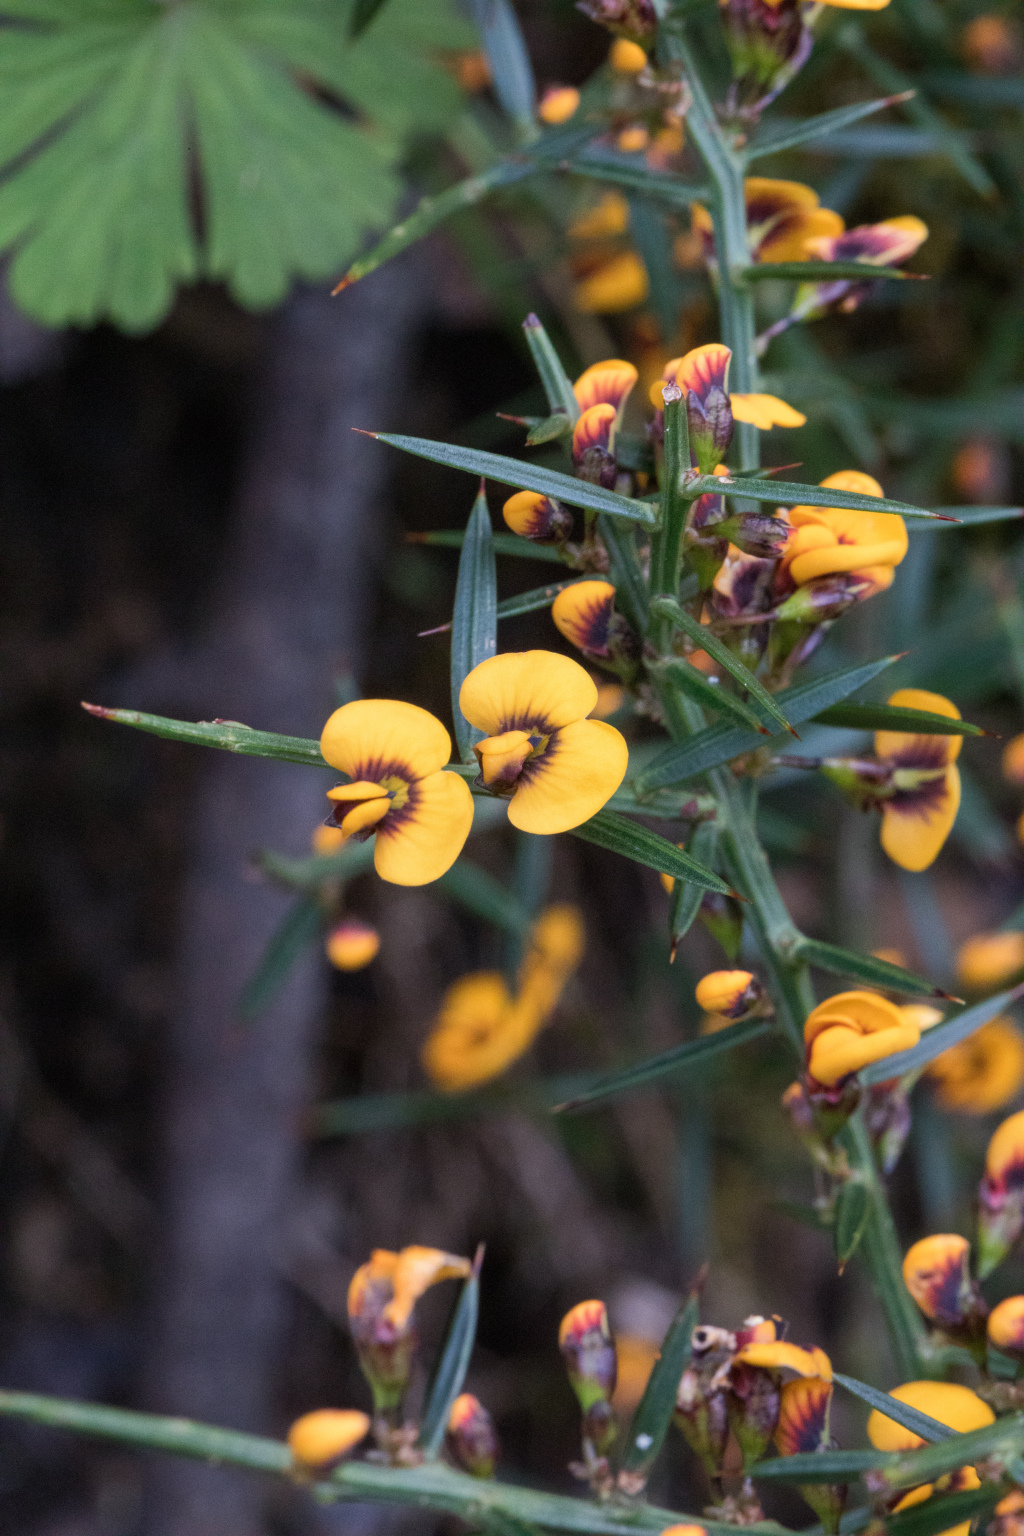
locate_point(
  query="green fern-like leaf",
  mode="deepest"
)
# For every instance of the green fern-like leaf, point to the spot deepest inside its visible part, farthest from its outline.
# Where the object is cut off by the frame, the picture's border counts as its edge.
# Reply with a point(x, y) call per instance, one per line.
point(293, 127)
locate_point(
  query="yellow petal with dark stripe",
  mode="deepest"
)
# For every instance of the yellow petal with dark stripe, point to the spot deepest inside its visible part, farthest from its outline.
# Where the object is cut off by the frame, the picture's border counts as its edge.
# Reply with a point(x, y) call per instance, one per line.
point(373, 738)
point(915, 828)
point(606, 383)
point(577, 773)
point(527, 690)
point(582, 614)
point(418, 843)
point(901, 743)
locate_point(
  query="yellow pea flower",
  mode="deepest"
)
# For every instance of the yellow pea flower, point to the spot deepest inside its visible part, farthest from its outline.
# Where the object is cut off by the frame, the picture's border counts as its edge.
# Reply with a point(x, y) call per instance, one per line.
point(607, 383)
point(558, 104)
point(957, 1407)
point(627, 58)
point(537, 518)
point(765, 412)
point(782, 216)
point(779, 1355)
point(381, 1297)
point(937, 1273)
point(480, 1031)
point(1006, 1326)
point(558, 767)
point(395, 753)
point(851, 1030)
point(731, 994)
point(988, 960)
point(328, 839)
point(983, 1072)
point(917, 820)
point(321, 1438)
point(804, 1406)
point(827, 540)
point(352, 944)
point(583, 613)
point(633, 139)
point(618, 284)
point(608, 218)
point(471, 1437)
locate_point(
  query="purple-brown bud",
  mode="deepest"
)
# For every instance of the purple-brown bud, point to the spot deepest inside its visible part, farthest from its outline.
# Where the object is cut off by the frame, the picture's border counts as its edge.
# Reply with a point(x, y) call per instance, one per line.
point(471, 1438)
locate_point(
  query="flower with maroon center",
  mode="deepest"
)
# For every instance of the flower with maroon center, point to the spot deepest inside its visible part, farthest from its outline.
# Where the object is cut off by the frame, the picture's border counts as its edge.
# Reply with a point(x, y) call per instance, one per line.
point(937, 1273)
point(583, 613)
point(394, 754)
point(537, 518)
point(1006, 1327)
point(593, 439)
point(1001, 1194)
point(557, 767)
point(782, 216)
point(803, 1428)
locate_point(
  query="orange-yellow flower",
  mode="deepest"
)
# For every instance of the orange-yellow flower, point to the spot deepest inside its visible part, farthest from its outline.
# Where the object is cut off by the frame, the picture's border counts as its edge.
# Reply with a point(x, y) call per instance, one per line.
point(607, 218)
point(988, 960)
point(381, 1298)
point(1006, 1326)
point(877, 245)
point(558, 767)
point(583, 613)
point(328, 839)
point(626, 57)
point(1013, 760)
point(779, 1355)
point(617, 284)
point(607, 383)
point(957, 1407)
point(829, 540)
point(765, 412)
point(803, 1415)
point(983, 1072)
point(537, 518)
point(851, 1030)
point(395, 753)
point(610, 699)
point(919, 816)
point(729, 993)
point(352, 944)
point(633, 139)
point(937, 1273)
point(782, 216)
point(482, 1028)
point(992, 45)
point(321, 1438)
point(636, 1360)
point(558, 104)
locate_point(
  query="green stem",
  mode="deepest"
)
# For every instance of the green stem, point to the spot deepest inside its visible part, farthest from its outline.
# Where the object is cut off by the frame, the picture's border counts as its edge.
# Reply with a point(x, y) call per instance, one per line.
point(880, 1247)
point(667, 542)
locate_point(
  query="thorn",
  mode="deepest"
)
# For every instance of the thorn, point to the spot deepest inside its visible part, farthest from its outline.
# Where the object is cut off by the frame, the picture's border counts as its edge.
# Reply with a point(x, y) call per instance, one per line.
point(531, 323)
point(893, 101)
point(99, 710)
point(346, 282)
point(938, 992)
point(478, 1259)
point(363, 433)
point(440, 630)
point(672, 953)
point(746, 900)
point(520, 421)
point(700, 1280)
point(940, 517)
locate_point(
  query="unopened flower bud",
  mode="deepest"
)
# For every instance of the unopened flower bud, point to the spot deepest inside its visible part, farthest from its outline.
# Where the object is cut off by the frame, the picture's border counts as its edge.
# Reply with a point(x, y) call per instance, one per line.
point(320, 1439)
point(936, 1272)
point(471, 1438)
point(752, 1404)
point(537, 518)
point(588, 1350)
point(558, 104)
point(592, 441)
point(381, 1298)
point(756, 533)
point(1006, 1327)
point(768, 42)
point(352, 944)
point(734, 994)
point(1001, 1195)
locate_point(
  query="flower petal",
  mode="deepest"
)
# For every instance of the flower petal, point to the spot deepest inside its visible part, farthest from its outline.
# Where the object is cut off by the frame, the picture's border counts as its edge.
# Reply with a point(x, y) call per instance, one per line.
point(1006, 1325)
point(915, 827)
point(840, 1050)
point(936, 1272)
point(582, 614)
point(788, 240)
point(1004, 1159)
point(479, 1032)
point(607, 383)
point(619, 284)
point(803, 1415)
point(765, 411)
point(579, 771)
point(416, 1271)
point(525, 690)
point(957, 1407)
point(703, 369)
point(982, 1073)
point(418, 843)
point(372, 738)
point(366, 814)
point(779, 1355)
point(867, 1012)
point(593, 430)
point(902, 743)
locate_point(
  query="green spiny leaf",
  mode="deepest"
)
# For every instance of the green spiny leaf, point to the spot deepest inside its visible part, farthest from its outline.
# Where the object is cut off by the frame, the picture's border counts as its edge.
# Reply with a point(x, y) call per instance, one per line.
point(452, 1365)
point(610, 830)
point(654, 1411)
point(679, 1059)
point(888, 717)
point(848, 962)
point(474, 618)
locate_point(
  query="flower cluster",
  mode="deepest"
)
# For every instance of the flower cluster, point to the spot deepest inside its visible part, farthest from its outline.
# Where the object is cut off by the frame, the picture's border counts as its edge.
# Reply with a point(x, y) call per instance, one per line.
point(482, 1027)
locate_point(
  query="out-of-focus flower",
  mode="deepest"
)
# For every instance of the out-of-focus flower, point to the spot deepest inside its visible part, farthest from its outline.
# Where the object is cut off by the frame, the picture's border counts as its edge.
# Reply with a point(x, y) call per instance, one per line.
point(626, 57)
point(937, 1273)
point(957, 1407)
point(608, 218)
point(919, 816)
point(982, 1073)
point(471, 1438)
point(381, 1298)
point(1006, 1326)
point(1013, 760)
point(328, 839)
point(473, 70)
point(765, 411)
point(352, 944)
point(537, 518)
point(991, 44)
point(964, 1479)
point(782, 216)
point(395, 754)
point(733, 994)
point(778, 1354)
point(482, 1028)
point(558, 104)
point(1001, 1195)
point(768, 42)
point(1008, 1516)
point(635, 20)
point(636, 1360)
point(981, 471)
point(558, 767)
point(320, 1439)
point(851, 1030)
point(988, 960)
point(610, 699)
point(588, 1351)
point(632, 140)
point(618, 284)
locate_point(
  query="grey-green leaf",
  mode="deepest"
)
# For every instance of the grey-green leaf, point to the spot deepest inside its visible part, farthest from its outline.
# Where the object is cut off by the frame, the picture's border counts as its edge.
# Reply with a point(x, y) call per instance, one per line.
point(790, 493)
point(654, 1411)
point(453, 1364)
point(679, 1059)
point(474, 616)
point(880, 973)
point(610, 830)
point(901, 1413)
point(853, 1207)
point(889, 717)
